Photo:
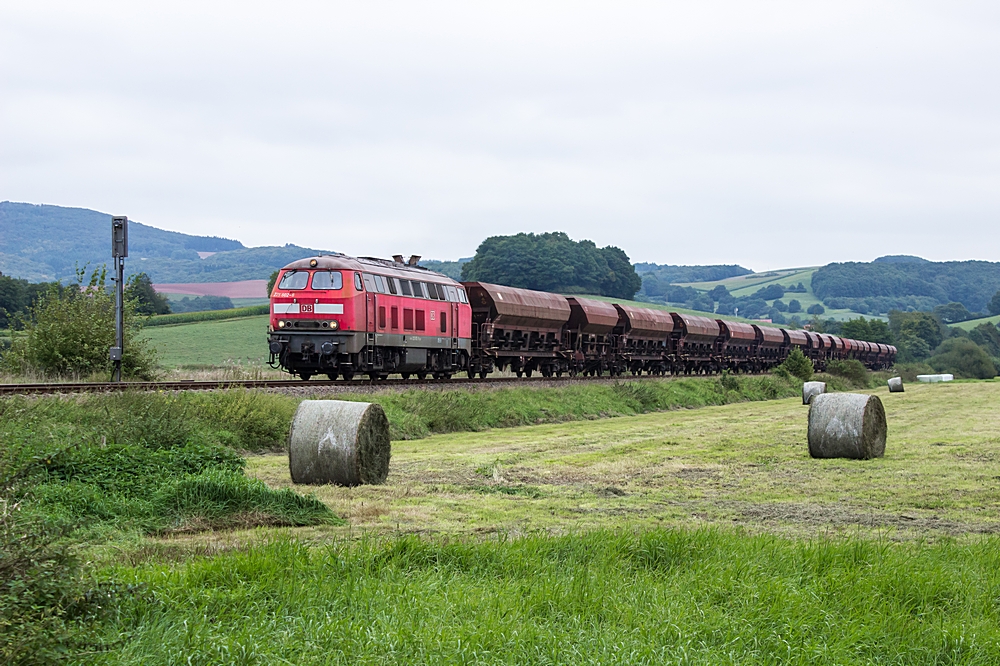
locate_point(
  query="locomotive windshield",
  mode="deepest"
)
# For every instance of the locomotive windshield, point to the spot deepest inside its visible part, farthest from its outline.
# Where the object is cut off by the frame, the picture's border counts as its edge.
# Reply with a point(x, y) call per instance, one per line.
point(327, 280)
point(294, 280)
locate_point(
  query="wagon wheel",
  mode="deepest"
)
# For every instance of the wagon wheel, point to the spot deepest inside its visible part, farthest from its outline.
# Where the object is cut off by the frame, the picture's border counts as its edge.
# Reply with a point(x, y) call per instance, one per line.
point(421, 375)
point(405, 375)
point(348, 375)
point(305, 376)
point(482, 374)
point(519, 373)
point(373, 376)
point(332, 375)
point(527, 373)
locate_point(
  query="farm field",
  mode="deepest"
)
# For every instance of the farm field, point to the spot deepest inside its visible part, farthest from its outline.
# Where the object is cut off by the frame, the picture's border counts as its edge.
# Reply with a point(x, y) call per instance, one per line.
point(691, 536)
point(972, 323)
point(743, 464)
point(211, 343)
point(745, 285)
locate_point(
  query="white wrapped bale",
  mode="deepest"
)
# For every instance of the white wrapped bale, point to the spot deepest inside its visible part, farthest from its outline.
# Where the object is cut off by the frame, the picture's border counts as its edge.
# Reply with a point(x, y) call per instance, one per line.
point(846, 425)
point(811, 389)
point(334, 441)
point(895, 385)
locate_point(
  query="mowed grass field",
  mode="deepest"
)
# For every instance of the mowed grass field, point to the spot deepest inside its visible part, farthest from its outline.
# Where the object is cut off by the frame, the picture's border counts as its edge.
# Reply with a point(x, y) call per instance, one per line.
point(211, 343)
point(744, 464)
point(701, 536)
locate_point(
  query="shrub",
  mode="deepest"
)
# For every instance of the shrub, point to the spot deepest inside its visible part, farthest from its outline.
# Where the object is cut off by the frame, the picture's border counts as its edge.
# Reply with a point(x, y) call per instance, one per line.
point(964, 358)
point(208, 315)
point(815, 309)
point(852, 370)
point(68, 333)
point(797, 365)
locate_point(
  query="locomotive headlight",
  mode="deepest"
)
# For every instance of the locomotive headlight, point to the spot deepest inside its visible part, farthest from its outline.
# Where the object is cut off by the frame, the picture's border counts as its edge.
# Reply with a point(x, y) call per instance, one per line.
point(281, 324)
point(334, 325)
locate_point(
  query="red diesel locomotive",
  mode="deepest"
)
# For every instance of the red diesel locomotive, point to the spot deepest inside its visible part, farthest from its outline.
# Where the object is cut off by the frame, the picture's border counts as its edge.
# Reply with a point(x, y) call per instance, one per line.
point(341, 316)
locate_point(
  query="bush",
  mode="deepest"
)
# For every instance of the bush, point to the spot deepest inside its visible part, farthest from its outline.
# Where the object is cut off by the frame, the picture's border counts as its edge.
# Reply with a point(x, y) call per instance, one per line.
point(68, 333)
point(815, 309)
point(797, 365)
point(909, 371)
point(852, 370)
point(209, 315)
point(963, 358)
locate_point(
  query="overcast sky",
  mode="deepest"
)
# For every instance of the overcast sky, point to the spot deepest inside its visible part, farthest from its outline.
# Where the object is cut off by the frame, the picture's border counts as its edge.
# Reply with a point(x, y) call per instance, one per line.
point(765, 134)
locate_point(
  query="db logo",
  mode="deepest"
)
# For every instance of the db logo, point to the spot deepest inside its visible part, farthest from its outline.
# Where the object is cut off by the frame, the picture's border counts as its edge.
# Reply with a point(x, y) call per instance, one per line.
point(306, 307)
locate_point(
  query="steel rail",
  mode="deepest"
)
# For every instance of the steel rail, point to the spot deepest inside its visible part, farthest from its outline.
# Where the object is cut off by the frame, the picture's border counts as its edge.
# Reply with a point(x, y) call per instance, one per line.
point(194, 385)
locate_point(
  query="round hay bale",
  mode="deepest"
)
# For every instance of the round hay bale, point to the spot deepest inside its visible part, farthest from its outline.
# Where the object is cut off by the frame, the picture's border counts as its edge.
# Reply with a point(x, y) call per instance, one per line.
point(895, 385)
point(333, 441)
point(846, 425)
point(810, 389)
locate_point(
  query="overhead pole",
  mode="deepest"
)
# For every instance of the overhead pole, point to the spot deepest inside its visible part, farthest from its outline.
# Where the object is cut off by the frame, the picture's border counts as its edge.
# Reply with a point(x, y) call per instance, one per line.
point(119, 250)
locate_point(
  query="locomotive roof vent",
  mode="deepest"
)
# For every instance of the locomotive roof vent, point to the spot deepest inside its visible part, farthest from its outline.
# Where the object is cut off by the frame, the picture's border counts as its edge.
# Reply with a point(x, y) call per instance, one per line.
point(398, 258)
point(414, 259)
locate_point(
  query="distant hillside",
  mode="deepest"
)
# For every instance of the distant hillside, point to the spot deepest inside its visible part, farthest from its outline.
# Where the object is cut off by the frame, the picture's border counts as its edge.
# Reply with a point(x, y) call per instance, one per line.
point(881, 286)
point(41, 243)
point(452, 269)
point(900, 259)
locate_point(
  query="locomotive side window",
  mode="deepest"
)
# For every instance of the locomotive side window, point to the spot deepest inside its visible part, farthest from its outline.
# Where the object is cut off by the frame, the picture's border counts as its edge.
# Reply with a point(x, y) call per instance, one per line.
point(357, 282)
point(380, 284)
point(461, 296)
point(432, 291)
point(294, 280)
point(418, 290)
point(327, 280)
point(392, 282)
point(369, 282)
point(452, 294)
point(404, 287)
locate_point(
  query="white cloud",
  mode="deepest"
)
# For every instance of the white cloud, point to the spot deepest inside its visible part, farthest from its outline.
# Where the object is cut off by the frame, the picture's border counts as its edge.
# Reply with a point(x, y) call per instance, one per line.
point(766, 134)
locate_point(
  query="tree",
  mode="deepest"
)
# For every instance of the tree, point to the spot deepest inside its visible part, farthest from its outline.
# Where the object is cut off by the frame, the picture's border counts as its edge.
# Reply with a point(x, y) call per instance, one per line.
point(988, 337)
point(798, 365)
point(720, 293)
point(921, 324)
point(775, 316)
point(68, 333)
point(553, 262)
point(952, 313)
point(994, 304)
point(770, 292)
point(779, 305)
point(794, 305)
point(964, 358)
point(139, 288)
point(816, 309)
point(270, 283)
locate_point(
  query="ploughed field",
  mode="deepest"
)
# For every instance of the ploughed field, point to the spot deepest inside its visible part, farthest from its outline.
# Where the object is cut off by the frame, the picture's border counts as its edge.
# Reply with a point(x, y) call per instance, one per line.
point(688, 536)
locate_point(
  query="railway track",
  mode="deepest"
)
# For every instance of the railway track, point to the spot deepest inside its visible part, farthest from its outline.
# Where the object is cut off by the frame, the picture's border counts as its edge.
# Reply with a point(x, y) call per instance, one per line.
point(354, 384)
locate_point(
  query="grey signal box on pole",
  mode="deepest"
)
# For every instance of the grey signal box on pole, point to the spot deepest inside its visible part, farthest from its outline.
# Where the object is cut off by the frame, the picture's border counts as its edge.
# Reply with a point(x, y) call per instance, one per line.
point(119, 250)
point(119, 237)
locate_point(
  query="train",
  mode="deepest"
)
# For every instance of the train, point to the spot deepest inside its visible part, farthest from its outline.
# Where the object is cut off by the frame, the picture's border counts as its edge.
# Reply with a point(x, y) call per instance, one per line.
point(344, 316)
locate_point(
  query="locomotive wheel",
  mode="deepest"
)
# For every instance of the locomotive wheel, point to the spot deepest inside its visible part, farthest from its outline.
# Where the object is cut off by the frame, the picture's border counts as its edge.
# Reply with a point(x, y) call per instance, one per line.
point(405, 375)
point(305, 376)
point(527, 373)
point(421, 375)
point(519, 373)
point(372, 376)
point(482, 374)
point(348, 375)
point(332, 376)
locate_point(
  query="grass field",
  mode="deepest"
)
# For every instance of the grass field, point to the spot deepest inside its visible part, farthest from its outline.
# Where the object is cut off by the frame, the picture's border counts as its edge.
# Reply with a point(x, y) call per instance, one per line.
point(972, 323)
point(742, 464)
point(688, 536)
point(746, 285)
point(704, 536)
point(211, 343)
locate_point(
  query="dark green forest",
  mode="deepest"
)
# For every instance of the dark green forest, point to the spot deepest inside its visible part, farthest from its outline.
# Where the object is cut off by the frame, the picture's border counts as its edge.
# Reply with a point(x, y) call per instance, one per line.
point(553, 262)
point(918, 285)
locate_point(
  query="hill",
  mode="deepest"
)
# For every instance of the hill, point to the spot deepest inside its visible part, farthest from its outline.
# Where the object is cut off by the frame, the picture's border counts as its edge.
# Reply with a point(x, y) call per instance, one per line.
point(43, 243)
point(878, 287)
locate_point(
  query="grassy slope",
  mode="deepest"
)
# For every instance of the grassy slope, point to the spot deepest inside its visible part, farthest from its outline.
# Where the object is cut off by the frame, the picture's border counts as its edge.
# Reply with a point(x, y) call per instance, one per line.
point(211, 342)
point(745, 285)
point(743, 464)
point(972, 323)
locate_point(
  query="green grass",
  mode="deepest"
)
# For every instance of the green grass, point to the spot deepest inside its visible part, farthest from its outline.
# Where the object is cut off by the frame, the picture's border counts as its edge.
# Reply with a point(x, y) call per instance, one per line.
point(207, 315)
point(211, 343)
point(657, 597)
point(741, 464)
point(972, 323)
